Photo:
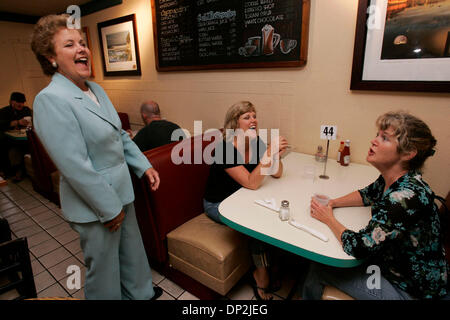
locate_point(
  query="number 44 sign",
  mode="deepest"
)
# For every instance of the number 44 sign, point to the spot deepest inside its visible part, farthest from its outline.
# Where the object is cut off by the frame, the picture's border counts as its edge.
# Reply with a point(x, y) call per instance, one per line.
point(328, 132)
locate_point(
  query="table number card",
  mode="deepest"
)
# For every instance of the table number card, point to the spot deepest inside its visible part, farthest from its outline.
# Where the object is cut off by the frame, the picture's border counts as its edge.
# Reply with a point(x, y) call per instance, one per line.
point(328, 132)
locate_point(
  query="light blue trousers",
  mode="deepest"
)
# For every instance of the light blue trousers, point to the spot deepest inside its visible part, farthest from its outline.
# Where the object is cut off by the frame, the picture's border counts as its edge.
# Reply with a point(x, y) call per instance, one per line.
point(116, 263)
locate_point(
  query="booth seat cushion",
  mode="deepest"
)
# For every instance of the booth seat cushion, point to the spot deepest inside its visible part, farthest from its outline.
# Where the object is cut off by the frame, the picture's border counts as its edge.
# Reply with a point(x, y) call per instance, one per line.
point(213, 254)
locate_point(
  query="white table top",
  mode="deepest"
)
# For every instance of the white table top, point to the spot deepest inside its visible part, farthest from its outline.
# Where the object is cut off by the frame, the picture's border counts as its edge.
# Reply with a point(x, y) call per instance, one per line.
point(240, 212)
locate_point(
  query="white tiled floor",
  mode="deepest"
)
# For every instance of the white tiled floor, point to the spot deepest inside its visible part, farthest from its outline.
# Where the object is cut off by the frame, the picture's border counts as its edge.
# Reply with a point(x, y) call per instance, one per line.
point(54, 246)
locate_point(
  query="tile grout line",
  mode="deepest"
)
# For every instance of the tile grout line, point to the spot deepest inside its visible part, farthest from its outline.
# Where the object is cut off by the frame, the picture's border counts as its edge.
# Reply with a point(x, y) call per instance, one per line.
point(51, 236)
point(61, 245)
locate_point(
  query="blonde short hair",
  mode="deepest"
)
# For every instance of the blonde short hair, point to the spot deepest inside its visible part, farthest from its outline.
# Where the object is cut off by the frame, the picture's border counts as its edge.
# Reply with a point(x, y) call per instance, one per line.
point(412, 135)
point(233, 114)
point(42, 39)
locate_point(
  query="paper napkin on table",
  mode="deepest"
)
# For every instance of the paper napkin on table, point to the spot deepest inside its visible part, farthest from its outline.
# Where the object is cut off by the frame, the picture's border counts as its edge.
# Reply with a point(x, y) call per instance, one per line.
point(268, 203)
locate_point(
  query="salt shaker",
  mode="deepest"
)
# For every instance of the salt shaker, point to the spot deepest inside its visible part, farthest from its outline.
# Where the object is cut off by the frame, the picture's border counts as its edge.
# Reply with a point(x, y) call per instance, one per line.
point(284, 210)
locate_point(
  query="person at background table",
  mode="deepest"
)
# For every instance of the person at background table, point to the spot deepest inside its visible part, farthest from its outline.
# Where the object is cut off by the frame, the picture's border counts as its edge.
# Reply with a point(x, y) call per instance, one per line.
point(81, 130)
point(14, 116)
point(403, 237)
point(249, 164)
point(157, 132)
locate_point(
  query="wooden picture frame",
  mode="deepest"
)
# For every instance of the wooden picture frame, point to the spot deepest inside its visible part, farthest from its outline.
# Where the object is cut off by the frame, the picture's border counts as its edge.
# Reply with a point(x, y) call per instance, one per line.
point(87, 40)
point(371, 72)
point(119, 46)
point(189, 30)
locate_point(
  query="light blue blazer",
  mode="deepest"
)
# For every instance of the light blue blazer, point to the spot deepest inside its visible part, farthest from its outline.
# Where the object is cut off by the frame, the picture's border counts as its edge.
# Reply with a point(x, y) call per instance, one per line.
point(89, 148)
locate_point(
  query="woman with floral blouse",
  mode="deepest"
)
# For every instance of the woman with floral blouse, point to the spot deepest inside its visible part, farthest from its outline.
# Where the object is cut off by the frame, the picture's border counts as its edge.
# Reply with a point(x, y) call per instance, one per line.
point(403, 239)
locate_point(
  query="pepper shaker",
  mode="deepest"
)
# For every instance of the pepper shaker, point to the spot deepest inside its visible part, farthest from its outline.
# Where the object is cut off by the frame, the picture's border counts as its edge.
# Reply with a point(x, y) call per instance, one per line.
point(284, 210)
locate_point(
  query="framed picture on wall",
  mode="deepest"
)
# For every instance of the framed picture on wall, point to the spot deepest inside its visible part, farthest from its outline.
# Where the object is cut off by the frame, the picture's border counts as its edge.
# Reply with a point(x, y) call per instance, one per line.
point(87, 40)
point(402, 45)
point(119, 46)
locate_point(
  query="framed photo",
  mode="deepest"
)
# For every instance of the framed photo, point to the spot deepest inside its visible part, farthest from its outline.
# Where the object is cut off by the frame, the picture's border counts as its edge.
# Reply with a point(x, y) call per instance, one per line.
point(87, 40)
point(402, 45)
point(119, 46)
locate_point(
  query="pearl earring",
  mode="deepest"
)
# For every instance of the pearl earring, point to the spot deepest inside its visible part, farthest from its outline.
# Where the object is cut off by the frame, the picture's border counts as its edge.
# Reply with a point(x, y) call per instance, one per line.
point(54, 64)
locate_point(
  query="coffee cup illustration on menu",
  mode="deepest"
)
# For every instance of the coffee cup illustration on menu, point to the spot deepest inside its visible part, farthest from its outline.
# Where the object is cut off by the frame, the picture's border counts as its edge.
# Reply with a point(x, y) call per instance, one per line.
point(270, 39)
point(287, 45)
point(256, 42)
point(266, 43)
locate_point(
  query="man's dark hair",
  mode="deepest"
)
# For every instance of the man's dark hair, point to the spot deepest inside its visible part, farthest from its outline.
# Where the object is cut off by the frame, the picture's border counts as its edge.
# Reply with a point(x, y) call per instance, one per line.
point(18, 97)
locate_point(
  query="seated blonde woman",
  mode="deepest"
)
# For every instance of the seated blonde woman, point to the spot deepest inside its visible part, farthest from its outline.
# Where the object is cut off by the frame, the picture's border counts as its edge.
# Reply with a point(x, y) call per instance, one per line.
point(403, 238)
point(246, 162)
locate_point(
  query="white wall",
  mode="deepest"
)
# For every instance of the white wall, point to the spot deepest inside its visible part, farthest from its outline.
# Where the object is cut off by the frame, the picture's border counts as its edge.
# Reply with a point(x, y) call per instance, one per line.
point(20, 70)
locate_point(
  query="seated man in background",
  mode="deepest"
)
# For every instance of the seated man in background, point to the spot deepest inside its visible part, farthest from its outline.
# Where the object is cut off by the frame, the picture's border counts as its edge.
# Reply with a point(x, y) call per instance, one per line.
point(157, 132)
point(13, 116)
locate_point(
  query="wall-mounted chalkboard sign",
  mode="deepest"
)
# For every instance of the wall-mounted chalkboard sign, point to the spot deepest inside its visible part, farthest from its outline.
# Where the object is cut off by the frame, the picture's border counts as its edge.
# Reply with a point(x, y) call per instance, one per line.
point(214, 34)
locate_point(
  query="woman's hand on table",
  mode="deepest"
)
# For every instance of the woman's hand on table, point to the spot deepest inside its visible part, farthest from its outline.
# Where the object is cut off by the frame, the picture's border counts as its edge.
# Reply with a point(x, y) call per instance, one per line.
point(332, 203)
point(282, 147)
point(321, 212)
point(271, 155)
point(153, 178)
point(114, 224)
point(325, 215)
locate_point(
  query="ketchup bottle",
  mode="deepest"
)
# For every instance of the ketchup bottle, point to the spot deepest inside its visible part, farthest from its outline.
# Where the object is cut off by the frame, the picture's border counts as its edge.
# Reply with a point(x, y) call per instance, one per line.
point(345, 154)
point(341, 147)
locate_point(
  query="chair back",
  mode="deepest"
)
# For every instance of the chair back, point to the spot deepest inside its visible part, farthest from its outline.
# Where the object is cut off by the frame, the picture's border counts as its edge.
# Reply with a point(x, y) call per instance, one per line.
point(5, 231)
point(15, 270)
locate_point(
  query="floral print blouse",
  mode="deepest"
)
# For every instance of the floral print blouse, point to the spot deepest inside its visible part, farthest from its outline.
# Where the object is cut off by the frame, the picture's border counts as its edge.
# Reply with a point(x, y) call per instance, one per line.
point(403, 237)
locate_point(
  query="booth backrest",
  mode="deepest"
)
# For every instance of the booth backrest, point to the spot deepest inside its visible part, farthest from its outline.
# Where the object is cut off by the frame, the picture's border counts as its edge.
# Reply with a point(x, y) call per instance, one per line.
point(125, 120)
point(43, 167)
point(179, 197)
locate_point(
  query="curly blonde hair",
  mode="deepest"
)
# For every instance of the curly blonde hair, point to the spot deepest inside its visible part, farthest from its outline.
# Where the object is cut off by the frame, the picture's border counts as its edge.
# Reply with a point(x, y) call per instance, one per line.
point(412, 135)
point(233, 114)
point(42, 39)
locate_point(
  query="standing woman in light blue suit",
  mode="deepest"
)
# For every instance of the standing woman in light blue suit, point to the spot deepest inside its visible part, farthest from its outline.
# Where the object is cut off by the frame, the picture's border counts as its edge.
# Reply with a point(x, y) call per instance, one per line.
point(82, 133)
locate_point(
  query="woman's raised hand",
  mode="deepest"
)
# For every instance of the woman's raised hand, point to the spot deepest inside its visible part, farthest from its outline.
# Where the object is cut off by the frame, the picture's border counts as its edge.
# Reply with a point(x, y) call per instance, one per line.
point(281, 148)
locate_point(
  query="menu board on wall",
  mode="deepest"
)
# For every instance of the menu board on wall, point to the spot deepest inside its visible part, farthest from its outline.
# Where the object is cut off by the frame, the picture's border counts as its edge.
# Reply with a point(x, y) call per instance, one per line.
point(215, 34)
